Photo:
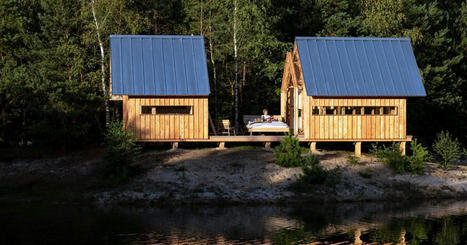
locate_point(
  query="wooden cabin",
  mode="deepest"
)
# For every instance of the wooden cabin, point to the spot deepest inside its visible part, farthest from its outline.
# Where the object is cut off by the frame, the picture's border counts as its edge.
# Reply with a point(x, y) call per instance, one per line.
point(349, 89)
point(164, 84)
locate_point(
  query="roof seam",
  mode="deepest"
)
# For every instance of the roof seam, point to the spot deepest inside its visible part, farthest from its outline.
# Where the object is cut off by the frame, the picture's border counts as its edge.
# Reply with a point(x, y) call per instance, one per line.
point(340, 66)
point(398, 68)
point(142, 68)
point(321, 64)
point(194, 66)
point(378, 67)
point(185, 69)
point(310, 64)
point(389, 69)
point(332, 73)
point(173, 67)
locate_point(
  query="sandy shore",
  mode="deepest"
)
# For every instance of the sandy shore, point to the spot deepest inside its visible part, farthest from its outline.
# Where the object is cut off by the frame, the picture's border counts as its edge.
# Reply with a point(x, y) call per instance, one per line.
point(226, 176)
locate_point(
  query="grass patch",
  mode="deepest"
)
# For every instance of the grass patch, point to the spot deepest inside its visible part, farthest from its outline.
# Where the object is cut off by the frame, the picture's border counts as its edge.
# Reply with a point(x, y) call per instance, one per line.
point(247, 147)
point(353, 160)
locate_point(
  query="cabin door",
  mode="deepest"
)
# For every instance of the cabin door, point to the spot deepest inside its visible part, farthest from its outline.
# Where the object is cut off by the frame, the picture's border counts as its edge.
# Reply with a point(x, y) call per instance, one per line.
point(298, 113)
point(290, 108)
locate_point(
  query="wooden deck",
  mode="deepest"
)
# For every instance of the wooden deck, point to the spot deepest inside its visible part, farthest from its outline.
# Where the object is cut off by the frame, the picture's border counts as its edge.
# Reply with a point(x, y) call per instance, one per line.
point(273, 138)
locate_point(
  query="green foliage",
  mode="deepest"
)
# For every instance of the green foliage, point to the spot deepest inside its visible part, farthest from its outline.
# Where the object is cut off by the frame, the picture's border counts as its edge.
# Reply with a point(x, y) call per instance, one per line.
point(353, 160)
point(313, 173)
point(418, 158)
point(288, 152)
point(448, 148)
point(310, 160)
point(392, 157)
point(120, 150)
point(50, 91)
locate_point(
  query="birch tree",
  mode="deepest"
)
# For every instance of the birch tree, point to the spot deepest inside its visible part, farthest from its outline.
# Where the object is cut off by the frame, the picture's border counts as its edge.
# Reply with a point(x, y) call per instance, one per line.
point(101, 48)
point(235, 61)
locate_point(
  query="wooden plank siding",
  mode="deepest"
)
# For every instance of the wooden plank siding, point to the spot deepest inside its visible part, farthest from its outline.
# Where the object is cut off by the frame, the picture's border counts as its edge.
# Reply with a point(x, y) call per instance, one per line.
point(154, 127)
point(348, 127)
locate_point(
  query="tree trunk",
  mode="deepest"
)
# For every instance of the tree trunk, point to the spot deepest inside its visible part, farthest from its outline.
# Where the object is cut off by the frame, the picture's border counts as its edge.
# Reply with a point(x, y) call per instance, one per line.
point(101, 46)
point(236, 64)
point(201, 17)
point(213, 69)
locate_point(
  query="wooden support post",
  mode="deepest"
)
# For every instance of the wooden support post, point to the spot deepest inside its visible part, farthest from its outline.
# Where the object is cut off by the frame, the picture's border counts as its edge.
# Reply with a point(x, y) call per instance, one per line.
point(402, 147)
point(313, 147)
point(221, 145)
point(174, 145)
point(358, 149)
point(267, 145)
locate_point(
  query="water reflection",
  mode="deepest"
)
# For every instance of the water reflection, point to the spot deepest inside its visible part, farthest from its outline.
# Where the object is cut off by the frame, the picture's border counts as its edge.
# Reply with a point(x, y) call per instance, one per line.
point(354, 223)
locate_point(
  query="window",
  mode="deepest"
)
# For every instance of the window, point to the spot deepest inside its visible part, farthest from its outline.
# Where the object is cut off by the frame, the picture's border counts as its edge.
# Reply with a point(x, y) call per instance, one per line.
point(330, 110)
point(166, 110)
point(348, 110)
point(354, 110)
point(315, 110)
point(390, 110)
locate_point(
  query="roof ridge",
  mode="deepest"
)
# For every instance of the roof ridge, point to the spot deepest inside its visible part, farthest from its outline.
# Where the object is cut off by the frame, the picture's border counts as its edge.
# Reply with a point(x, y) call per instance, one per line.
point(353, 38)
point(156, 36)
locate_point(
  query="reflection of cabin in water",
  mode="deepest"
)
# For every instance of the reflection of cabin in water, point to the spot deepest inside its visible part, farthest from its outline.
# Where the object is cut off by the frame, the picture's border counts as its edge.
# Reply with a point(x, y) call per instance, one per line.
point(164, 84)
point(333, 89)
point(349, 89)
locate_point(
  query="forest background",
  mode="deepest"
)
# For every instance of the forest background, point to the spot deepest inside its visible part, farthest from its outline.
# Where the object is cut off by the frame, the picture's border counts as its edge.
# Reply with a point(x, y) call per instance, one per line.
point(54, 82)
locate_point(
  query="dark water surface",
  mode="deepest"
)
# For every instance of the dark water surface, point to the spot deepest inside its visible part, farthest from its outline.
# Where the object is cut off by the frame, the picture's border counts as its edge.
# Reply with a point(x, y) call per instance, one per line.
point(422, 223)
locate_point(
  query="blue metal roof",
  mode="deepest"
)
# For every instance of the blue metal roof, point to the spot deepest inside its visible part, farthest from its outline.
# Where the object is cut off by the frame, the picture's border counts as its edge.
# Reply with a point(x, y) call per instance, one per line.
point(158, 65)
point(359, 66)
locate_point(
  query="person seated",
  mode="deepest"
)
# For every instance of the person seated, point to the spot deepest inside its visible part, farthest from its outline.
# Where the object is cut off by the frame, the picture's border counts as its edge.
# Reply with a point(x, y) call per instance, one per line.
point(265, 117)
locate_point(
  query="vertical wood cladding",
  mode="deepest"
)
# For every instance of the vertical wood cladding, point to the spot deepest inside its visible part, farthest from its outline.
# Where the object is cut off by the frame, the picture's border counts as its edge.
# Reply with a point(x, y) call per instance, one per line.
point(193, 125)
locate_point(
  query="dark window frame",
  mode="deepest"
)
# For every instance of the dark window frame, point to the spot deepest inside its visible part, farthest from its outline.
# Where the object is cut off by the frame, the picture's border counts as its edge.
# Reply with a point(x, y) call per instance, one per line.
point(166, 110)
point(354, 111)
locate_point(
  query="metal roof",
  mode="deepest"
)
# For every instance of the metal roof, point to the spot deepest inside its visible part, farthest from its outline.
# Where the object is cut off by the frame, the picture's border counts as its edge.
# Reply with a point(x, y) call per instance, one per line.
point(158, 65)
point(359, 66)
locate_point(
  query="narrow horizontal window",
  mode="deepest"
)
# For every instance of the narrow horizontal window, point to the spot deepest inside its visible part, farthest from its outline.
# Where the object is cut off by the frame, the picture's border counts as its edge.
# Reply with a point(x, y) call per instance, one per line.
point(354, 110)
point(348, 110)
point(330, 111)
point(390, 110)
point(369, 110)
point(315, 110)
point(166, 110)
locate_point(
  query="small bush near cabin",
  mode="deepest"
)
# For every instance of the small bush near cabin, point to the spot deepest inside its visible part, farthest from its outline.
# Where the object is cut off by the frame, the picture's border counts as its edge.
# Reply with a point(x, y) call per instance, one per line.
point(448, 148)
point(310, 160)
point(353, 160)
point(313, 173)
point(120, 151)
point(418, 158)
point(288, 152)
point(392, 157)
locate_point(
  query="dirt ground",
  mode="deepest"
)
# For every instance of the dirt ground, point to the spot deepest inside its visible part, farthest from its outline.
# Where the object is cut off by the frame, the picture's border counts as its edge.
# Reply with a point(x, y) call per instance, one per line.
point(235, 175)
point(251, 176)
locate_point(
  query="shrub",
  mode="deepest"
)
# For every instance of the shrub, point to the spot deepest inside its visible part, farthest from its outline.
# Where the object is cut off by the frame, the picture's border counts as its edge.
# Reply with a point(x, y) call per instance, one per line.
point(391, 156)
point(310, 160)
point(120, 150)
point(288, 152)
point(448, 148)
point(353, 160)
point(313, 173)
point(418, 158)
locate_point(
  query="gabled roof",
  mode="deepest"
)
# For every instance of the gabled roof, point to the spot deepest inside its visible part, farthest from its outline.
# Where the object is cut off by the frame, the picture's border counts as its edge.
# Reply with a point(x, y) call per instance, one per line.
point(158, 65)
point(354, 66)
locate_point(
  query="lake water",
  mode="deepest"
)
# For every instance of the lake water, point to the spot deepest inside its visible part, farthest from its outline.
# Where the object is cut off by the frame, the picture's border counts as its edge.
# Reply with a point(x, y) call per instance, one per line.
point(359, 223)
